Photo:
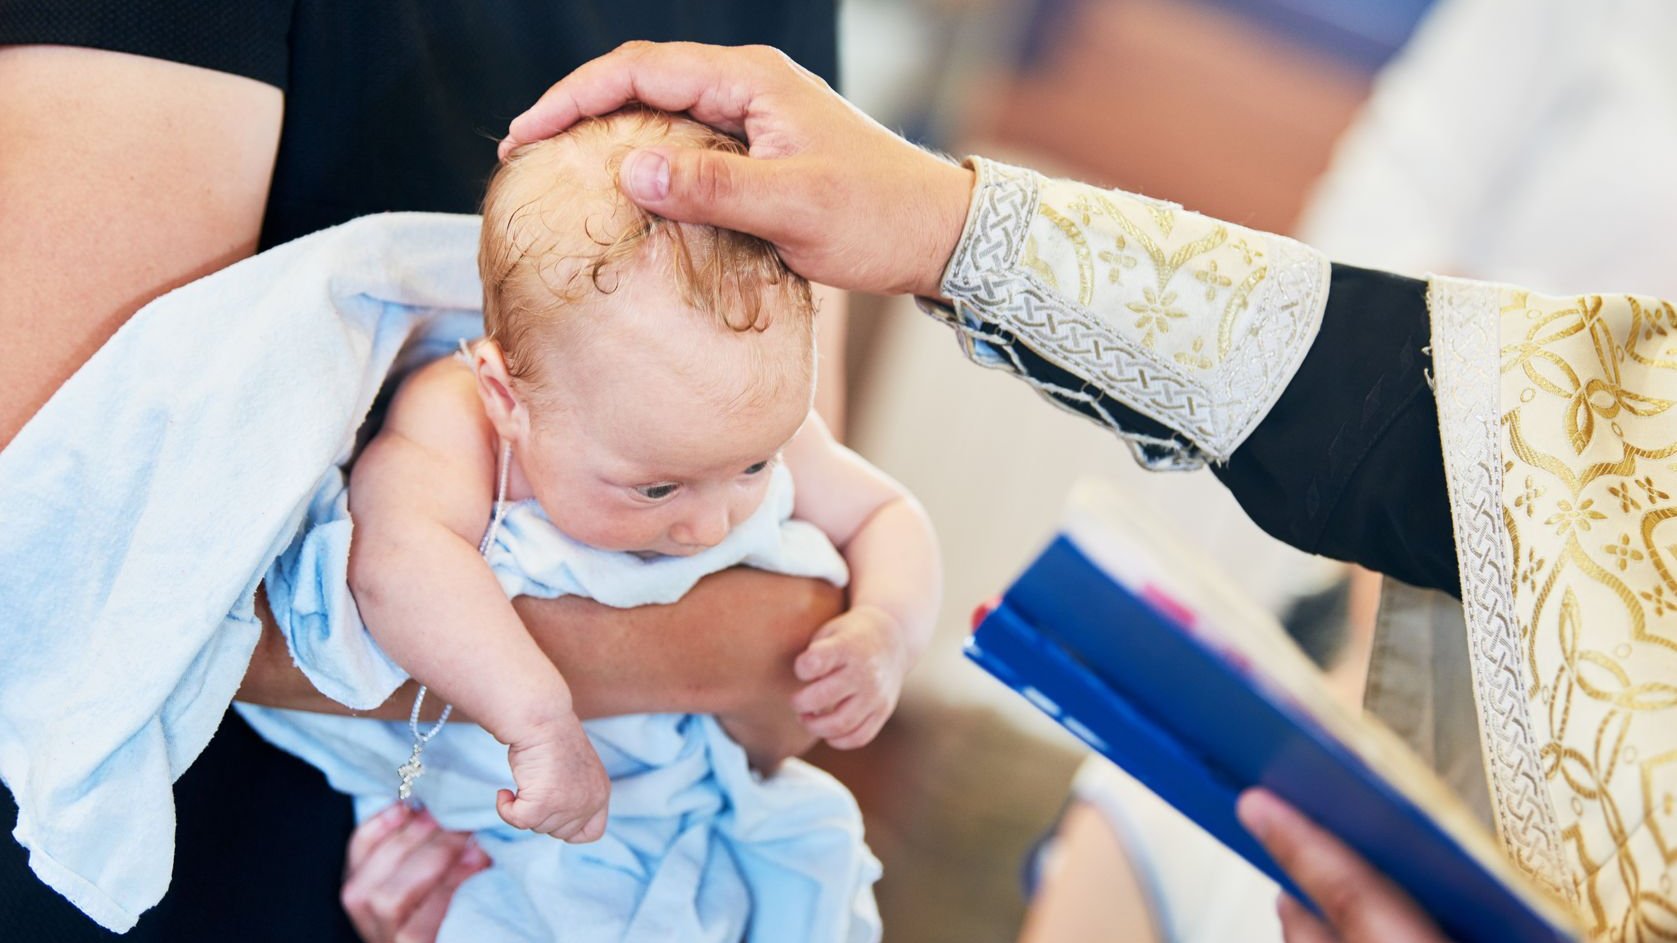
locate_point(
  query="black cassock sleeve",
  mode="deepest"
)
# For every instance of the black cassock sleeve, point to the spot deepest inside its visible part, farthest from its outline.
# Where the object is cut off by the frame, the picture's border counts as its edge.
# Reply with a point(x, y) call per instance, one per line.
point(1348, 464)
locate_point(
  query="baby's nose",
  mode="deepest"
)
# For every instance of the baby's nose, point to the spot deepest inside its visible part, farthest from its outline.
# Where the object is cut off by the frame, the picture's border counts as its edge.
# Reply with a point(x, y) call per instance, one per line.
point(708, 530)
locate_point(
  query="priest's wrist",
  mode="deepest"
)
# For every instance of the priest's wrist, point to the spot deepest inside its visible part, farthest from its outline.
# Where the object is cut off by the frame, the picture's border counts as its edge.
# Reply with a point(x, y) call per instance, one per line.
point(949, 190)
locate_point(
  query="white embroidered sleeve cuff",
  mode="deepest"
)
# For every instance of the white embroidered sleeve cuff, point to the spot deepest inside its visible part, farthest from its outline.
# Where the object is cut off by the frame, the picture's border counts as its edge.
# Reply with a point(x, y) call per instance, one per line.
point(1193, 322)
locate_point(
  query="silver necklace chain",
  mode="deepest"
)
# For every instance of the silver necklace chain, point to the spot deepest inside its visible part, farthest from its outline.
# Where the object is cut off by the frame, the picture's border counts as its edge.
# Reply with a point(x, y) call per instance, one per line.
point(415, 767)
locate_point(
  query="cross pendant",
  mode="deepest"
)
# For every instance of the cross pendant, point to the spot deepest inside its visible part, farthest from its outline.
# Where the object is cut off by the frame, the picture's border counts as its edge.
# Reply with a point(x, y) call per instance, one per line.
point(409, 771)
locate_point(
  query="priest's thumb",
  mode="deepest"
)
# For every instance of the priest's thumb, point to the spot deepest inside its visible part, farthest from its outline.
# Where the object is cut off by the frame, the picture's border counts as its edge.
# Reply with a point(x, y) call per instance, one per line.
point(692, 185)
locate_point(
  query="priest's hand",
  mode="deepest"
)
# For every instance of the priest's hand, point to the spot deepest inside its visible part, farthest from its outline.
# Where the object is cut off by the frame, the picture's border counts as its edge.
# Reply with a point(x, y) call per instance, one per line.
point(847, 203)
point(1360, 906)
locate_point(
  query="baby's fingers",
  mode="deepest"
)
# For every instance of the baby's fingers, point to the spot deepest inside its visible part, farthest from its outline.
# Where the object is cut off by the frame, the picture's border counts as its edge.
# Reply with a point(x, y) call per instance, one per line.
point(823, 696)
point(862, 735)
point(510, 809)
point(576, 831)
point(527, 814)
point(577, 826)
point(822, 657)
point(594, 830)
point(841, 720)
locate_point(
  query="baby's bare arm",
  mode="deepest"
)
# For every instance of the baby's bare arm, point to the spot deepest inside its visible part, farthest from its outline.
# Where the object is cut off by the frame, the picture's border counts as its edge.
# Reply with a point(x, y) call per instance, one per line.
point(420, 497)
point(725, 648)
point(883, 532)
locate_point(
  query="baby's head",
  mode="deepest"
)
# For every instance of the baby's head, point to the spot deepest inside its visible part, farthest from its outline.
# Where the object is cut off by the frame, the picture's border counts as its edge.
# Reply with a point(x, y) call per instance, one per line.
point(645, 372)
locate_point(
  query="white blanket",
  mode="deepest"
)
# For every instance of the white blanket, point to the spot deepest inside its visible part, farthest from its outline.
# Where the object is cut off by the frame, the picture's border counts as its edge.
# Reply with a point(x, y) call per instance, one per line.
point(140, 506)
point(697, 849)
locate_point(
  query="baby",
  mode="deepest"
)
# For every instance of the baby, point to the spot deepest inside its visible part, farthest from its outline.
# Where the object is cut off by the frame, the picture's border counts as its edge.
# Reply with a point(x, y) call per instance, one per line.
point(643, 382)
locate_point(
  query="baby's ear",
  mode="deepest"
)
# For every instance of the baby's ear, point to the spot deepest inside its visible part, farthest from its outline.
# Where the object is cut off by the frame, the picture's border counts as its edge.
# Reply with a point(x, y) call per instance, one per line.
point(494, 386)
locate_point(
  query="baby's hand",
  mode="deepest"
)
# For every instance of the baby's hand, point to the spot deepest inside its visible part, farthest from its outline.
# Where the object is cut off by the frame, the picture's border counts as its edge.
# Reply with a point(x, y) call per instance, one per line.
point(562, 788)
point(854, 670)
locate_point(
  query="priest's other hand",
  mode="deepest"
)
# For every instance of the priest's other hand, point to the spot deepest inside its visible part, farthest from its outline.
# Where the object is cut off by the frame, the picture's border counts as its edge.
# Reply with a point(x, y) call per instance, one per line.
point(847, 203)
point(1360, 905)
point(402, 869)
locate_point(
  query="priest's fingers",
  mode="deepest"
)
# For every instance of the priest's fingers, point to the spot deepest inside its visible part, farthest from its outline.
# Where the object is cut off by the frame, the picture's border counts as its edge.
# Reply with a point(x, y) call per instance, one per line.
point(1358, 903)
point(714, 84)
point(1299, 925)
point(846, 202)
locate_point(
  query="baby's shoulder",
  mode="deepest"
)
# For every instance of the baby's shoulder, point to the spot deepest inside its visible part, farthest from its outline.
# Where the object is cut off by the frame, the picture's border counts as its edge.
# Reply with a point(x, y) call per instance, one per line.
point(438, 405)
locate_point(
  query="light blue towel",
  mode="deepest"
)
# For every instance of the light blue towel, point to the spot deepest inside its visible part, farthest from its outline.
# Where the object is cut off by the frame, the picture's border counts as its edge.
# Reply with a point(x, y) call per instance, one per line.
point(697, 848)
point(140, 506)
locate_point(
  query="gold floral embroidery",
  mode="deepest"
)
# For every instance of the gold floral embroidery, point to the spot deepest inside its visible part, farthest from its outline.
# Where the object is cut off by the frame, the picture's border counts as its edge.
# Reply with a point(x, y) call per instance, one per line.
point(1248, 252)
point(1627, 502)
point(1212, 280)
point(1527, 498)
point(1195, 356)
point(1155, 254)
point(1569, 517)
point(1623, 552)
point(1588, 386)
point(1192, 322)
point(1657, 598)
point(1117, 260)
point(1532, 570)
point(1654, 494)
point(1080, 250)
point(1033, 263)
point(1157, 311)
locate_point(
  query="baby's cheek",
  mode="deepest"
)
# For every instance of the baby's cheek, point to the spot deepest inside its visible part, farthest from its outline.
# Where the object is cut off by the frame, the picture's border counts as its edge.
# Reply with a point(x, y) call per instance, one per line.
point(605, 530)
point(752, 499)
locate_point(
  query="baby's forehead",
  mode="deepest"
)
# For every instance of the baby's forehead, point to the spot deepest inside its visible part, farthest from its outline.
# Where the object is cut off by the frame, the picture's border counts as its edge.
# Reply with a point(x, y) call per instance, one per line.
point(644, 338)
point(565, 256)
point(681, 404)
point(648, 321)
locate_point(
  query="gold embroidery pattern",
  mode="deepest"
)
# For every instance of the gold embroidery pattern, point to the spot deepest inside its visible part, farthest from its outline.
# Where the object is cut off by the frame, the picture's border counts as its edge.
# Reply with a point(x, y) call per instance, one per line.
point(1588, 386)
point(1080, 250)
point(1465, 343)
point(1193, 322)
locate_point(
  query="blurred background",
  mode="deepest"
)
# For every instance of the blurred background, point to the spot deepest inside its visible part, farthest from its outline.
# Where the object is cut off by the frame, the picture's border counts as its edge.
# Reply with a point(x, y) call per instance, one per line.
point(1148, 95)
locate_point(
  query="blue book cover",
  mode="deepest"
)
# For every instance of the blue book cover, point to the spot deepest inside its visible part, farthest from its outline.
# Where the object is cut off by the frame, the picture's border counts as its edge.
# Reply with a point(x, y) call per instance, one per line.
point(1135, 646)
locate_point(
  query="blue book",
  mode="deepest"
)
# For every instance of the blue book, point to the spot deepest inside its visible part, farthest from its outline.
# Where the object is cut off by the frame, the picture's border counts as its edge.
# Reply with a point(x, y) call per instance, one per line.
point(1136, 646)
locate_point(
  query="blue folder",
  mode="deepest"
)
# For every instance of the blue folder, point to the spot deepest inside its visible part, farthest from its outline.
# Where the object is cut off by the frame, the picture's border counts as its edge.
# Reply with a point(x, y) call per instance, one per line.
point(1119, 672)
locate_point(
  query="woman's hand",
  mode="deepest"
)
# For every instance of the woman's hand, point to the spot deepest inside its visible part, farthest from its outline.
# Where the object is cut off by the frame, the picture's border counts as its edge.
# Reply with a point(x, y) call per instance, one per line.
point(1360, 905)
point(402, 871)
point(846, 202)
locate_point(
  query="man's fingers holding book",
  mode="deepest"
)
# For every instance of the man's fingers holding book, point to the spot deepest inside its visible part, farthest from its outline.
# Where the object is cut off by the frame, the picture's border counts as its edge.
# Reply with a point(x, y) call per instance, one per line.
point(1358, 903)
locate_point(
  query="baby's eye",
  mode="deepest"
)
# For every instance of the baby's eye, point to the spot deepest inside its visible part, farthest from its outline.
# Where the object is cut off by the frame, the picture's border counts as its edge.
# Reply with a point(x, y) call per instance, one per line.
point(754, 469)
point(656, 492)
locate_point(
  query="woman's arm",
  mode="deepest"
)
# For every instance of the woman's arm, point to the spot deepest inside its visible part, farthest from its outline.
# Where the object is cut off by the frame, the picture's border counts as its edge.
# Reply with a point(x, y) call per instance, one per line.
point(726, 648)
point(121, 177)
